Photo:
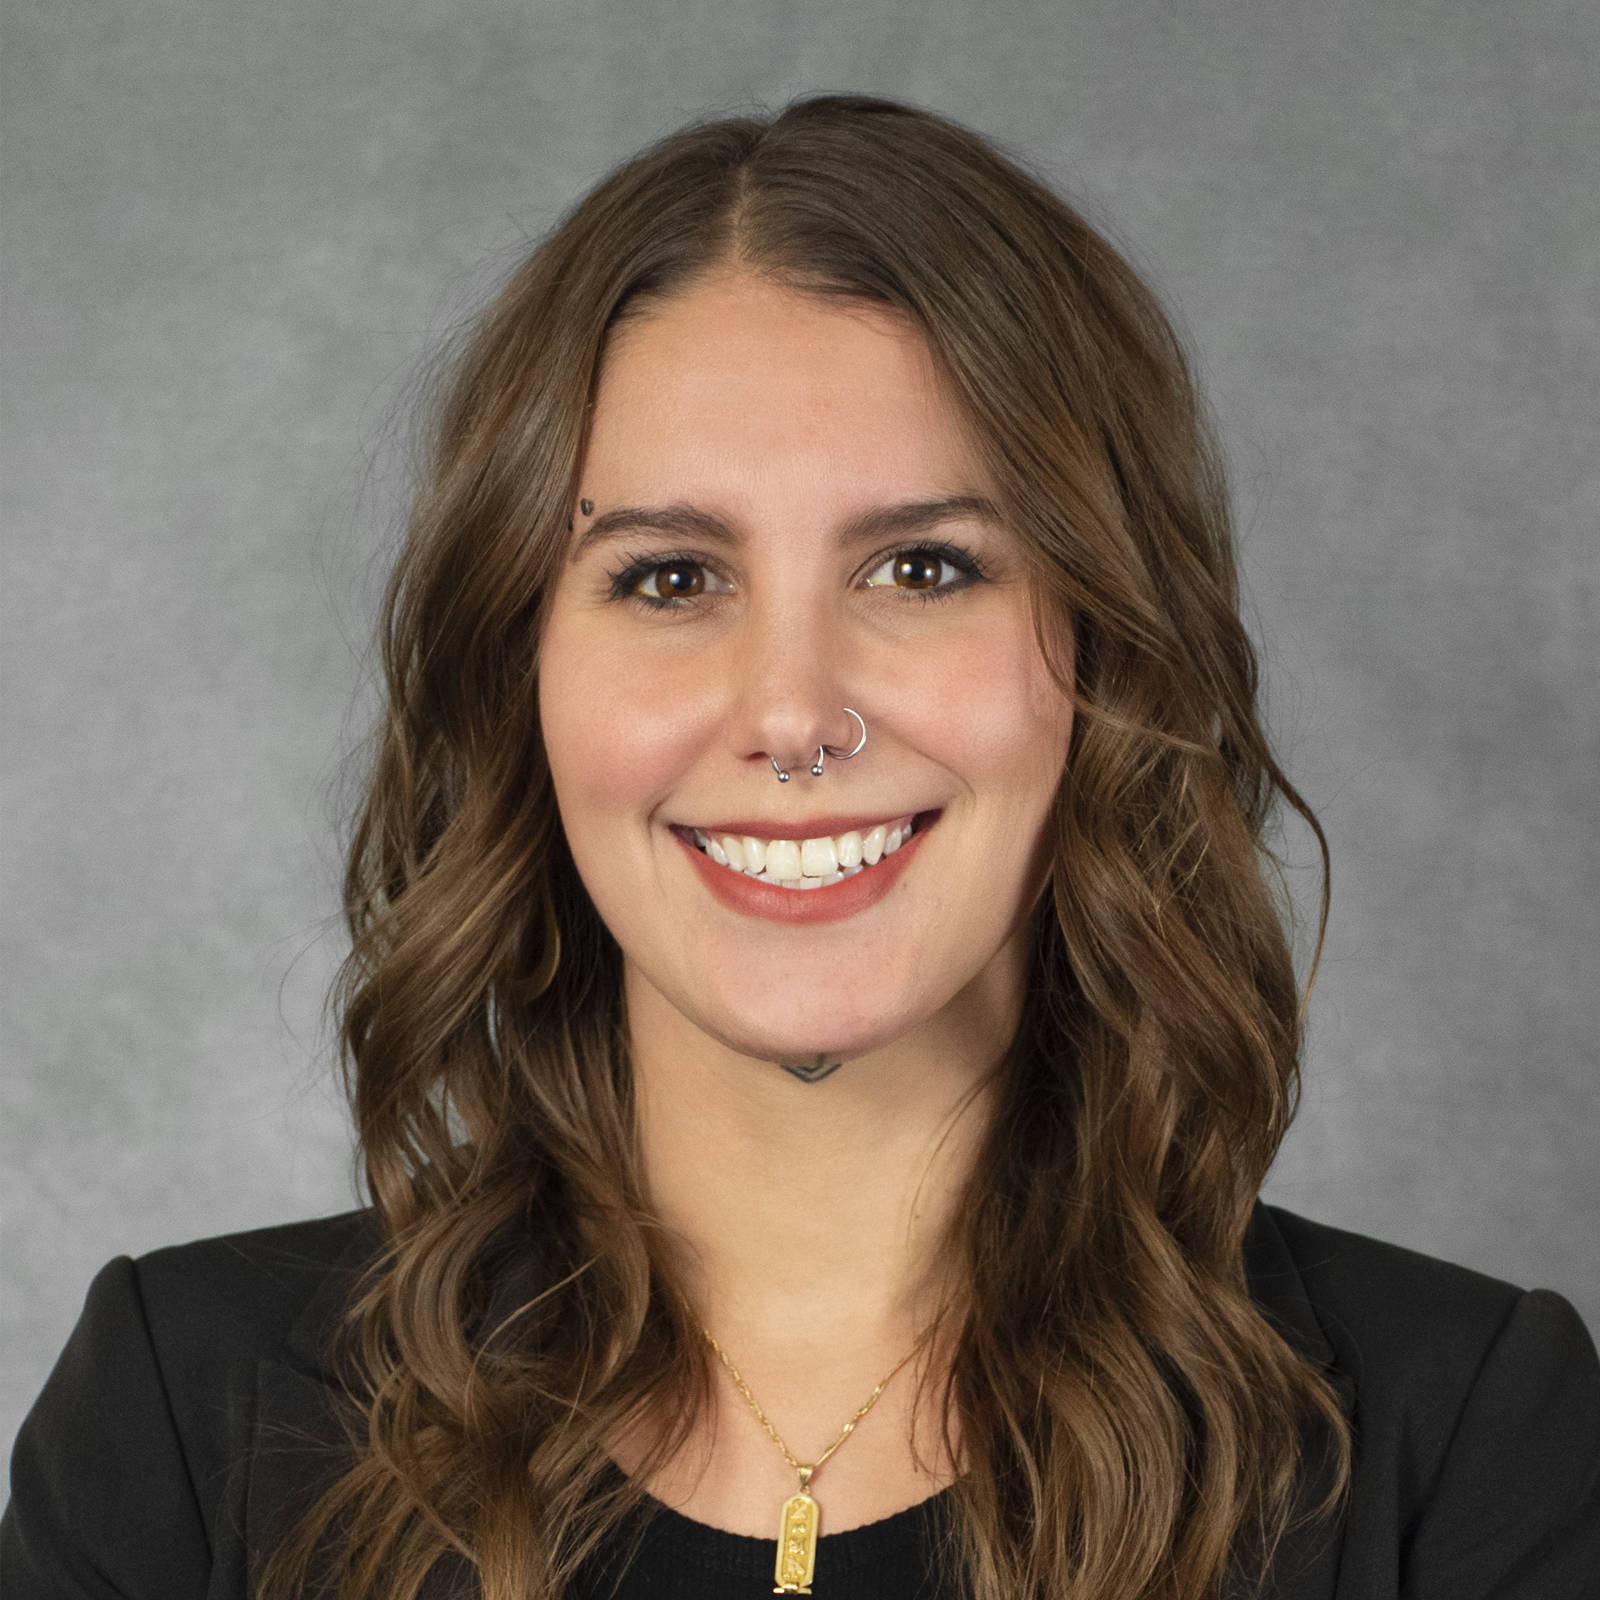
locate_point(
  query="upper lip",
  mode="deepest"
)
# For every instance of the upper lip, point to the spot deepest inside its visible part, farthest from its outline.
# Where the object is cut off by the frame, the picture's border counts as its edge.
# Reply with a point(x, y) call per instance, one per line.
point(800, 828)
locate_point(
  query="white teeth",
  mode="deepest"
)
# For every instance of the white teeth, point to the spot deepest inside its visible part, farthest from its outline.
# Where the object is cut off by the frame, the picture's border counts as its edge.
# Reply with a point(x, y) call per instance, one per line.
point(818, 858)
point(783, 859)
point(809, 863)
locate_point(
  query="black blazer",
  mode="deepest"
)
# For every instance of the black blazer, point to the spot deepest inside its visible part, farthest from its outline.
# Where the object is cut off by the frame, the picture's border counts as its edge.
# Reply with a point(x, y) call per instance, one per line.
point(182, 1418)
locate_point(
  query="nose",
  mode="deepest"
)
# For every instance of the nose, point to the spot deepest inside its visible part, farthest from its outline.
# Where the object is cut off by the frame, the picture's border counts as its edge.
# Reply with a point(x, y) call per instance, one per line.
point(794, 671)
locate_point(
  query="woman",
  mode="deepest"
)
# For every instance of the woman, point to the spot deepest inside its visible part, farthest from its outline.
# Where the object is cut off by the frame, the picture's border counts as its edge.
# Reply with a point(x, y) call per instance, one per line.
point(819, 1015)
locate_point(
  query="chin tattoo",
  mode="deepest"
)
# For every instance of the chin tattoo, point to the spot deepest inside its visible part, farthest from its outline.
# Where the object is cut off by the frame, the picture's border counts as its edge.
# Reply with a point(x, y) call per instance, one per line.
point(813, 1071)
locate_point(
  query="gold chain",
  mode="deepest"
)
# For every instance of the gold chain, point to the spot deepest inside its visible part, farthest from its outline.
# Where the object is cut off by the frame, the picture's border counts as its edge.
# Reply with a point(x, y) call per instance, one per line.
point(805, 1471)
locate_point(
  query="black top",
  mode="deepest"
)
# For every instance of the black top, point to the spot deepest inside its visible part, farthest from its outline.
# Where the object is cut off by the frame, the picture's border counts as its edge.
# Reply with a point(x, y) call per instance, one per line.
point(185, 1414)
point(682, 1560)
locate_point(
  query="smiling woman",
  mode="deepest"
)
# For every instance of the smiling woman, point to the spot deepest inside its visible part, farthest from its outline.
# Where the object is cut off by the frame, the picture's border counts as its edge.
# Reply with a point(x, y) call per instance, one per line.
point(819, 1016)
point(800, 523)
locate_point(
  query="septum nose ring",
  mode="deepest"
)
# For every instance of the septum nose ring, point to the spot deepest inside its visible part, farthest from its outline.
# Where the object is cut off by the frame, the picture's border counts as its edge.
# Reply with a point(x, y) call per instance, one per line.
point(829, 750)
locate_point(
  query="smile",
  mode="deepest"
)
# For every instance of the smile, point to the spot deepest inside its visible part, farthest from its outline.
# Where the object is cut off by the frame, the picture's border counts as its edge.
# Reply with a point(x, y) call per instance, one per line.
point(805, 863)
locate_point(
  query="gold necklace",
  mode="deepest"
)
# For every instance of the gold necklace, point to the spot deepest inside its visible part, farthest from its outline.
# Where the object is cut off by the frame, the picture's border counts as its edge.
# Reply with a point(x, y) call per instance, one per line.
point(799, 1522)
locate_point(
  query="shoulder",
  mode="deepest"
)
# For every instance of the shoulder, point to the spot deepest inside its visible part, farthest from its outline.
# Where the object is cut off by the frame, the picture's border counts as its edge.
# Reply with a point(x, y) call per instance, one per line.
point(1408, 1330)
point(249, 1294)
point(154, 1416)
point(225, 1316)
point(1474, 1405)
point(1376, 1303)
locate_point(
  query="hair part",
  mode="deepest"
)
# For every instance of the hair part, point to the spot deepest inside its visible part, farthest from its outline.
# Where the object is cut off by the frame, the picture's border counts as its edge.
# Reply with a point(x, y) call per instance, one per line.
point(1127, 1423)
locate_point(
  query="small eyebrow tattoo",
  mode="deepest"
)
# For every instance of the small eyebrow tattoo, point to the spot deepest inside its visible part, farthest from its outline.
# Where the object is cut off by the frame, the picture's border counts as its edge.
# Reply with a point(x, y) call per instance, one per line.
point(883, 522)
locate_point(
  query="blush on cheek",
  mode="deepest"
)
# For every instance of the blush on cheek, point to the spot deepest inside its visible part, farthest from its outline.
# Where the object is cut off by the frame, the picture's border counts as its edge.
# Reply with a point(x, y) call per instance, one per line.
point(618, 733)
point(990, 712)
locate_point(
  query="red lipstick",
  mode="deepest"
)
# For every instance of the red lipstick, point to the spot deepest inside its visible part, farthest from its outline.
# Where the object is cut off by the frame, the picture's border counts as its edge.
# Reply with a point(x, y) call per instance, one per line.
point(740, 892)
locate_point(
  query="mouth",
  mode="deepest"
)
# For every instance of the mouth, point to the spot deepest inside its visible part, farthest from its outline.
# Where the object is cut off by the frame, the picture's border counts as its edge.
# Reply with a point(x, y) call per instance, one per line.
point(819, 862)
point(850, 864)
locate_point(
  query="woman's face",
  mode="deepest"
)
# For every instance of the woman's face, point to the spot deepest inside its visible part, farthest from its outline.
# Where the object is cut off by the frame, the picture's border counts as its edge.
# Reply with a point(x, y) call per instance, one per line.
point(780, 516)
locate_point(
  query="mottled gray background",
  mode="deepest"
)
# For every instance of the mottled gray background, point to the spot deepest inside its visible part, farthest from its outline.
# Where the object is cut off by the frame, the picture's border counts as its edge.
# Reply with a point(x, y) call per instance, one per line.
point(232, 226)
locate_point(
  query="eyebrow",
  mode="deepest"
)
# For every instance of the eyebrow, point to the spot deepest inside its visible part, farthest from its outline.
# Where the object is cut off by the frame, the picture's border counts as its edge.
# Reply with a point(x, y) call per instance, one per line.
point(882, 522)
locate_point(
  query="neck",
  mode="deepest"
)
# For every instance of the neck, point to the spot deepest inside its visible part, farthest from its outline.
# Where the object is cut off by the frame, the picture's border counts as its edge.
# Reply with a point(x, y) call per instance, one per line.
point(814, 1210)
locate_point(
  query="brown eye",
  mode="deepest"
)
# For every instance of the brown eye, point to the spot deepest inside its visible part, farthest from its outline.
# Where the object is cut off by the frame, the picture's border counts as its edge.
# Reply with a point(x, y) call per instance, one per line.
point(918, 571)
point(673, 580)
point(928, 571)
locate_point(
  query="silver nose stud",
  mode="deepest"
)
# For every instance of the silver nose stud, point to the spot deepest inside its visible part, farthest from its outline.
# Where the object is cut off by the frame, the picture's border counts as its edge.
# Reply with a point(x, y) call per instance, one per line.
point(824, 750)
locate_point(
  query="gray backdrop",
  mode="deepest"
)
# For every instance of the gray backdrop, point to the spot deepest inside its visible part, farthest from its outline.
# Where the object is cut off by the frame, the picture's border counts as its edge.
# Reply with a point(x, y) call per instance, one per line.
point(232, 226)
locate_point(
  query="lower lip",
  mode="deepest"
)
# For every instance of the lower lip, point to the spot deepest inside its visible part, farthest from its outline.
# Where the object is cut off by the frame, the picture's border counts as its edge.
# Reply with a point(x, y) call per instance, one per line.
point(740, 892)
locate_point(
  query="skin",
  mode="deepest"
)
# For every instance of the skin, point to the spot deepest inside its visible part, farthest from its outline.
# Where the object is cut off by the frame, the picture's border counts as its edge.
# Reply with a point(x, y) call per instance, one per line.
point(781, 433)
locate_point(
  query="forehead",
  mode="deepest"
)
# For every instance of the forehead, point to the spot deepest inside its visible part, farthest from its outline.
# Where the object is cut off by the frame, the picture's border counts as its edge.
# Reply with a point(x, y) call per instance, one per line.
point(740, 385)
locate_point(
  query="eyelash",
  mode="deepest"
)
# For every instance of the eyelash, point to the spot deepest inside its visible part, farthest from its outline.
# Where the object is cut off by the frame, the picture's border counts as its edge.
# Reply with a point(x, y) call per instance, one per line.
point(968, 568)
point(636, 568)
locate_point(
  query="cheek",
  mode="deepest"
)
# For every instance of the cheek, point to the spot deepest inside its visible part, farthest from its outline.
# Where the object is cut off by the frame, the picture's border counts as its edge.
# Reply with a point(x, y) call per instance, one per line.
point(989, 709)
point(618, 731)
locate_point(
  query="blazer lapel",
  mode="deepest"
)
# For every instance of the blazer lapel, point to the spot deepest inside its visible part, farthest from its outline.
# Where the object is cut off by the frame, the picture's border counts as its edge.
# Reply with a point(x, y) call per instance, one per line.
point(300, 1444)
point(1307, 1563)
point(301, 1435)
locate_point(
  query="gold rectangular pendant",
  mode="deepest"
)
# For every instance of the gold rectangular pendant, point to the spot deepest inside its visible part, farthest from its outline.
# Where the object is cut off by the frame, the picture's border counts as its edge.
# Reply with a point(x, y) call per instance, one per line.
point(797, 1546)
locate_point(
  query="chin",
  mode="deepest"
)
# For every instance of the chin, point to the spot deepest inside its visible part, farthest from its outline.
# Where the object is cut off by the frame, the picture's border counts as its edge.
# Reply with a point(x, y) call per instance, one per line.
point(795, 1034)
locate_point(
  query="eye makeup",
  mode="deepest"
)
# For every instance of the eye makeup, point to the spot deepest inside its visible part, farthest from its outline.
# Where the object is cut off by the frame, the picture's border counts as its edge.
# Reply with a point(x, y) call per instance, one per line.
point(627, 581)
point(927, 570)
point(907, 570)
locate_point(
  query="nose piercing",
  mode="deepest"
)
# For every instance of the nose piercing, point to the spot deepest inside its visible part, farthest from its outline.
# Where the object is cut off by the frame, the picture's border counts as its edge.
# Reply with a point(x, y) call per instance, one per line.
point(838, 754)
point(829, 750)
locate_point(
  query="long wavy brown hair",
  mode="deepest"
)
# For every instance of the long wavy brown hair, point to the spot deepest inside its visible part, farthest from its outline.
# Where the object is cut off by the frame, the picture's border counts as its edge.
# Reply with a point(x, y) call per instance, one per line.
point(1127, 1424)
